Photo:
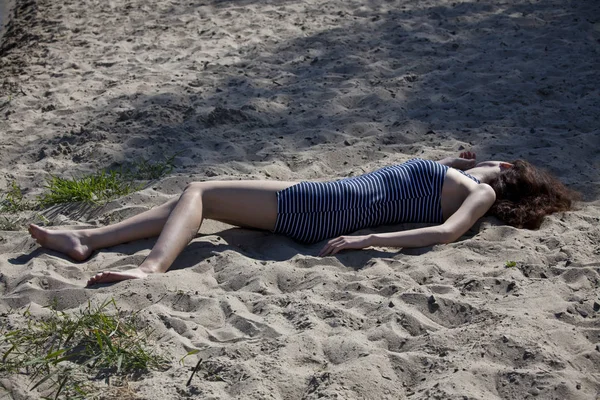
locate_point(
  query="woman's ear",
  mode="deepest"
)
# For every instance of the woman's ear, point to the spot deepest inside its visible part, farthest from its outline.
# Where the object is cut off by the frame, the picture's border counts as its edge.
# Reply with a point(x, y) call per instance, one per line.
point(505, 165)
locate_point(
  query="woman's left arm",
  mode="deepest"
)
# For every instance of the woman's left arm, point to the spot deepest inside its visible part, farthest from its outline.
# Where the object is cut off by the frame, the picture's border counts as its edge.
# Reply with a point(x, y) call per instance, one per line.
point(465, 161)
point(477, 203)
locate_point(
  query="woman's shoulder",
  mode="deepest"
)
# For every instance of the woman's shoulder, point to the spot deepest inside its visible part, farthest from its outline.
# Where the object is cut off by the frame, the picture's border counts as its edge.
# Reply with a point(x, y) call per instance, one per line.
point(473, 178)
point(458, 178)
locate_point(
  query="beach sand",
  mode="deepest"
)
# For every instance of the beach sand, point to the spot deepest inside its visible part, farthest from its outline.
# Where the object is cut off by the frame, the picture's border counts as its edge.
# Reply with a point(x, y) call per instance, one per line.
point(6, 8)
point(295, 90)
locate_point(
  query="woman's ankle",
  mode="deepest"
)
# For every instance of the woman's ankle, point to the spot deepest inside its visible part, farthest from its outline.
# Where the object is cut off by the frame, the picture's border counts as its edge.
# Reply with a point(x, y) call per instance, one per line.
point(151, 267)
point(86, 238)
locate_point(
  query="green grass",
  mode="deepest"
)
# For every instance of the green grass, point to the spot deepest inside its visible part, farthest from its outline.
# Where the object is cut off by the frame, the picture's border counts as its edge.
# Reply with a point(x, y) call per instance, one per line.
point(510, 264)
point(144, 169)
point(9, 223)
point(104, 186)
point(98, 188)
point(61, 353)
point(13, 200)
point(15, 223)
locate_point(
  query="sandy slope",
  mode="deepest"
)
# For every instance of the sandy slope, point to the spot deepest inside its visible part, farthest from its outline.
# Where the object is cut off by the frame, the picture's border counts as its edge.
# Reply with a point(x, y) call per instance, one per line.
point(5, 14)
point(309, 90)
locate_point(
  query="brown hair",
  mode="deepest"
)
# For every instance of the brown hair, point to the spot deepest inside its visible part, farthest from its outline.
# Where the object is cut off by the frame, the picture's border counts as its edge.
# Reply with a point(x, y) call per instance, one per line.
point(525, 195)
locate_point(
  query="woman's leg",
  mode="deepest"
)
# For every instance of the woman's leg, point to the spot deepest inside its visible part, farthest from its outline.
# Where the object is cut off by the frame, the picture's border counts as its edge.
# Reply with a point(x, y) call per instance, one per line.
point(79, 244)
point(243, 203)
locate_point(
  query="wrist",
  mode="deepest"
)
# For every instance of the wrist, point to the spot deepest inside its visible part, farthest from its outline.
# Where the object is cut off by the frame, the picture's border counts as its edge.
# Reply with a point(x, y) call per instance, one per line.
point(448, 161)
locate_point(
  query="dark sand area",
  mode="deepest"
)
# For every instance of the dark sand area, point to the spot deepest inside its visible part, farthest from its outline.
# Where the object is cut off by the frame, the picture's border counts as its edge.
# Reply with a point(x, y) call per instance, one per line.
point(6, 7)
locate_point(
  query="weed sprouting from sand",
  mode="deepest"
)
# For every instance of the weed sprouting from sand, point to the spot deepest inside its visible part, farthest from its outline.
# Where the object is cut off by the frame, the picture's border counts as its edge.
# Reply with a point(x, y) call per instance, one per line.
point(510, 264)
point(13, 200)
point(9, 224)
point(190, 353)
point(60, 353)
point(144, 169)
point(96, 189)
point(103, 186)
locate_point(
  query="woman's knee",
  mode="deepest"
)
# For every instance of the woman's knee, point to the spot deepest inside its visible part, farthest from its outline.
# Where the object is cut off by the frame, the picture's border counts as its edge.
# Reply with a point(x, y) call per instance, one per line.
point(201, 191)
point(195, 188)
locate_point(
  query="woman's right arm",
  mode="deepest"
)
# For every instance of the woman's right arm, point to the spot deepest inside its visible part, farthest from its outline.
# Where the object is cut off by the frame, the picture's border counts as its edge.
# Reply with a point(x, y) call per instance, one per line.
point(477, 203)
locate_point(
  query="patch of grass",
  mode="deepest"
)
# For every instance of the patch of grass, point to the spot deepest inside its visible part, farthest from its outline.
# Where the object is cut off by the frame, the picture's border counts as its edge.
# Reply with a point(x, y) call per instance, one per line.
point(40, 219)
point(144, 169)
point(98, 188)
point(61, 352)
point(510, 264)
point(13, 200)
point(103, 186)
point(9, 224)
point(14, 223)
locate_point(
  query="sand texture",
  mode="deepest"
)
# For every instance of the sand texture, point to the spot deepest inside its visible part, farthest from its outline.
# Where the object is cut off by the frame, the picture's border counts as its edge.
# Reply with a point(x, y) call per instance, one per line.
point(6, 7)
point(309, 89)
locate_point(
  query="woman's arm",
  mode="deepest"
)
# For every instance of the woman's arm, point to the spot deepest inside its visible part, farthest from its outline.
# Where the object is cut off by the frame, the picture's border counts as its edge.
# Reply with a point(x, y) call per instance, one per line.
point(465, 161)
point(477, 203)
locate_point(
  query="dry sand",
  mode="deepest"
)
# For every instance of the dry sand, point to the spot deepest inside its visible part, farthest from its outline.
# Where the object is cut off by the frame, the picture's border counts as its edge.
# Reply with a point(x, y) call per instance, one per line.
point(6, 8)
point(309, 90)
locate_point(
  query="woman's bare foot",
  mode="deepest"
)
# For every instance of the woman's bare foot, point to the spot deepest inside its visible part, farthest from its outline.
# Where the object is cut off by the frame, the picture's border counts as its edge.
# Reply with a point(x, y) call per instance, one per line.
point(113, 276)
point(69, 242)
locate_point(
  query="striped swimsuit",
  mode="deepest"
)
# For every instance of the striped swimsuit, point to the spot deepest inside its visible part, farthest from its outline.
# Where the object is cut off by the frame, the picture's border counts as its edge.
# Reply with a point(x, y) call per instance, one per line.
point(313, 211)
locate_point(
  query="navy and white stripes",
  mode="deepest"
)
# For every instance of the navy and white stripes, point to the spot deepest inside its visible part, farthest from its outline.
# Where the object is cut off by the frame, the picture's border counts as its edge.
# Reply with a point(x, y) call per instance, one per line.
point(312, 211)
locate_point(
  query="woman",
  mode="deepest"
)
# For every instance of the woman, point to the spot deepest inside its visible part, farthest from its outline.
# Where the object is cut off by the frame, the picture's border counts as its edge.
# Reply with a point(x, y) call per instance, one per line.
point(416, 191)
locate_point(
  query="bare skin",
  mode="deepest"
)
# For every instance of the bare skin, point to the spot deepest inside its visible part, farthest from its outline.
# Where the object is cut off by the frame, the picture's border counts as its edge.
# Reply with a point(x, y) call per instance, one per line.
point(254, 204)
point(243, 203)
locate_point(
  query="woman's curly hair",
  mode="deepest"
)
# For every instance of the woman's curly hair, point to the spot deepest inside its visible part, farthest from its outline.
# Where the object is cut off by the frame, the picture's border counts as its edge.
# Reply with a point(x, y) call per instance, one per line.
point(525, 195)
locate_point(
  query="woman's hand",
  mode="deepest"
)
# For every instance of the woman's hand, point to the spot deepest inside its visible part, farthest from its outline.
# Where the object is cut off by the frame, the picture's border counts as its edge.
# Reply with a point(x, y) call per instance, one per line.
point(345, 242)
point(469, 155)
point(467, 160)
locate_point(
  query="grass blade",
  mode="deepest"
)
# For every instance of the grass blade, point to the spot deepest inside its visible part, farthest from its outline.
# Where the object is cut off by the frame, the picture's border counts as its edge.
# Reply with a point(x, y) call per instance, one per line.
point(119, 362)
point(6, 354)
point(55, 354)
point(60, 387)
point(194, 372)
point(44, 379)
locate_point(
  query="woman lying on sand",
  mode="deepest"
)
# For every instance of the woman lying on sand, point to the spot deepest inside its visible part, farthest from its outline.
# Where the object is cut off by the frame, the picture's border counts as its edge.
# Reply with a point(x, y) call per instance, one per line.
point(416, 191)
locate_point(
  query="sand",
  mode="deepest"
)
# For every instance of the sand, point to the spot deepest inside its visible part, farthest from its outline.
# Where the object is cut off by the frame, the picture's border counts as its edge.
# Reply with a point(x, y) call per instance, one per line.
point(6, 8)
point(5, 12)
point(298, 90)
